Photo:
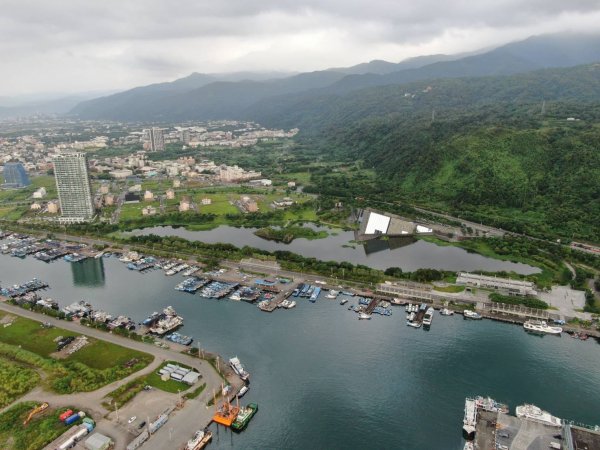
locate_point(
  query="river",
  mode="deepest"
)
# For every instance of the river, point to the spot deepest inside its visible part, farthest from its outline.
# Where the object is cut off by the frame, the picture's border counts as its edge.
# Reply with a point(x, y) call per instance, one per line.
point(325, 380)
point(406, 253)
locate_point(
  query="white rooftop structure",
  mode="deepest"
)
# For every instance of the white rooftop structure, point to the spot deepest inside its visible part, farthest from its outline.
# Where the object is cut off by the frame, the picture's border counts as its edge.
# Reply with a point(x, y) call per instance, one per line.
point(512, 287)
point(377, 224)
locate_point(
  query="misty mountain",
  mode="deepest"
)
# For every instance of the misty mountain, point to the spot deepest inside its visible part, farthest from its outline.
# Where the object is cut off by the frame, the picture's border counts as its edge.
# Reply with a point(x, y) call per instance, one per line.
point(16, 107)
point(198, 98)
point(381, 67)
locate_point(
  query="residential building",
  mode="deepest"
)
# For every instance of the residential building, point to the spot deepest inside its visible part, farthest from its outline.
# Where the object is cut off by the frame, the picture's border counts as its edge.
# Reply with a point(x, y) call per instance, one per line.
point(206, 201)
point(170, 194)
point(148, 196)
point(155, 139)
point(15, 175)
point(73, 185)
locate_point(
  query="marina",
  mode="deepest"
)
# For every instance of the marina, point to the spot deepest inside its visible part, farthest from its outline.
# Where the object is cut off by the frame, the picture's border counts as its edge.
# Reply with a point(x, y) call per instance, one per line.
point(109, 286)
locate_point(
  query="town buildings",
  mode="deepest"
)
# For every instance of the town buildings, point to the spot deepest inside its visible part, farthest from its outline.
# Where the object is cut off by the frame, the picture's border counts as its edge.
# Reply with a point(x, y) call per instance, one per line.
point(155, 140)
point(73, 186)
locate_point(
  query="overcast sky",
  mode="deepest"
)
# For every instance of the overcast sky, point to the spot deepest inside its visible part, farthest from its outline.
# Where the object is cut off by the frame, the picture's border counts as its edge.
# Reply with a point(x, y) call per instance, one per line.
point(85, 45)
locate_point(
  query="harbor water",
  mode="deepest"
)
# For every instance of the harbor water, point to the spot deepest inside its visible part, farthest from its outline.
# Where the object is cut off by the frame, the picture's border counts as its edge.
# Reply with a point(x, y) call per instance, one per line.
point(325, 380)
point(404, 252)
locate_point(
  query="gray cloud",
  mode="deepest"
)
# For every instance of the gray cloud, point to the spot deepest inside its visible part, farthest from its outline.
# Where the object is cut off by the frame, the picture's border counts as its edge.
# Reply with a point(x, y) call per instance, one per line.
point(64, 45)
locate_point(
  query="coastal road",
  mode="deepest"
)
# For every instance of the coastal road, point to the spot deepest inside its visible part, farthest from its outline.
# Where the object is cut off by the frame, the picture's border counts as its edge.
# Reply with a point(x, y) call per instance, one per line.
point(182, 424)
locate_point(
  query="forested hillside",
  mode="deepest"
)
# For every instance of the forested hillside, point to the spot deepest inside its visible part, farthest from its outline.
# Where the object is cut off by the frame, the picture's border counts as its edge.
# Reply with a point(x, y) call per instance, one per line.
point(502, 150)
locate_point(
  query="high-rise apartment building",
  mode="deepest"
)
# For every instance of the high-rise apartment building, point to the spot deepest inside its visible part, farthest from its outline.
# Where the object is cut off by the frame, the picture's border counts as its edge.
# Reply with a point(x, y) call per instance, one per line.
point(73, 185)
point(15, 175)
point(155, 139)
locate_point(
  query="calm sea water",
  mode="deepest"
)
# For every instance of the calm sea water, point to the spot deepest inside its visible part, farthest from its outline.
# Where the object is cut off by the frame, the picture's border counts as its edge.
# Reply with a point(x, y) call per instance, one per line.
point(325, 380)
point(406, 253)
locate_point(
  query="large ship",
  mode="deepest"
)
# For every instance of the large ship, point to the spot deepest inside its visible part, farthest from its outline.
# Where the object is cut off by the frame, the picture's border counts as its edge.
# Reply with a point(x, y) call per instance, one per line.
point(541, 327)
point(244, 416)
point(236, 365)
point(535, 414)
point(472, 408)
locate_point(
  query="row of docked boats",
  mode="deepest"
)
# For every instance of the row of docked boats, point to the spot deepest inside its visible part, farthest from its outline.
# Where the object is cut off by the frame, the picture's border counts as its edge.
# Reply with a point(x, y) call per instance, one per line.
point(217, 289)
point(18, 290)
point(191, 284)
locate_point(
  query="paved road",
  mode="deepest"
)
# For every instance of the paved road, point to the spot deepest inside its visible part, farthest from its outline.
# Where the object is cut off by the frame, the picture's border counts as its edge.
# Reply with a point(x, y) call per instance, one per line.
point(193, 416)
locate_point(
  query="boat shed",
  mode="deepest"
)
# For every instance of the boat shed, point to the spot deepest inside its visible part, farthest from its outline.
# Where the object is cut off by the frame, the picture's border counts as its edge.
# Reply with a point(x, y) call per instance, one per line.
point(98, 441)
point(191, 378)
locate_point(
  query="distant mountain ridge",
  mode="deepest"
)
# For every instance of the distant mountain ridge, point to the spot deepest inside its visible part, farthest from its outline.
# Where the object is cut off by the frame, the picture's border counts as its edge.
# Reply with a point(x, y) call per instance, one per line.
point(200, 97)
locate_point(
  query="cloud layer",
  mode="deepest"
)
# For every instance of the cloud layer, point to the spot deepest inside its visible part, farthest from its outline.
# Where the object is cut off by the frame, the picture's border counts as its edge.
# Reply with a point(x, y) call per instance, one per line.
point(74, 45)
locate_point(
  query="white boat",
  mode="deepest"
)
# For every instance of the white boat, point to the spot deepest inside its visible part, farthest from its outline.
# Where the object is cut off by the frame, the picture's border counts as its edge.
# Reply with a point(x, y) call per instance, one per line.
point(332, 294)
point(243, 391)
point(343, 301)
point(446, 312)
point(291, 304)
point(413, 324)
point(193, 443)
point(410, 317)
point(363, 316)
point(428, 317)
point(472, 315)
point(237, 367)
point(535, 414)
point(469, 446)
point(540, 326)
point(470, 418)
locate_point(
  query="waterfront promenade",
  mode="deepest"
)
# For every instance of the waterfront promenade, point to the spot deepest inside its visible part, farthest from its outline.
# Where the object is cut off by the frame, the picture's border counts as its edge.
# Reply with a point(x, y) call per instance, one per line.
point(182, 423)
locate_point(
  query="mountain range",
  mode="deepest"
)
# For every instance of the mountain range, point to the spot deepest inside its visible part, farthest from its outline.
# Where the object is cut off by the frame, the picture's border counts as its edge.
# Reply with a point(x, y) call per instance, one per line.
point(204, 97)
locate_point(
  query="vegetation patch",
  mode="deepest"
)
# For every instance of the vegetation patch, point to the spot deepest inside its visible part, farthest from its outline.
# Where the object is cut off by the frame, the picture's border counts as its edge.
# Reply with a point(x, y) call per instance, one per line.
point(125, 393)
point(288, 234)
point(15, 380)
point(450, 289)
point(529, 302)
point(196, 392)
point(40, 431)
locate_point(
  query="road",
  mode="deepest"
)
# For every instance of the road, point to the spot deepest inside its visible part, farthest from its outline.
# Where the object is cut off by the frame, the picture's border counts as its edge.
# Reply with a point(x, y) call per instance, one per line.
point(195, 415)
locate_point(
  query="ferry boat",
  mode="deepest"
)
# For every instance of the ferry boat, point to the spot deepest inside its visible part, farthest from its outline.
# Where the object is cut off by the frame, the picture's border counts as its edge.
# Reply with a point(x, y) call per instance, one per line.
point(468, 314)
point(428, 317)
point(363, 316)
point(535, 414)
point(237, 367)
point(244, 417)
point(541, 327)
point(446, 312)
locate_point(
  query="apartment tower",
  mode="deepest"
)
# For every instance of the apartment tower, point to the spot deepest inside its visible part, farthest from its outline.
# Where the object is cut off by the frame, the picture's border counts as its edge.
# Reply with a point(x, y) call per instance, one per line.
point(73, 185)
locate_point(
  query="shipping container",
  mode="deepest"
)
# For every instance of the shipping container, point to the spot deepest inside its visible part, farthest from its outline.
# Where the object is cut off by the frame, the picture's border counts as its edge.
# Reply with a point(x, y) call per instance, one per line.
point(72, 419)
point(66, 414)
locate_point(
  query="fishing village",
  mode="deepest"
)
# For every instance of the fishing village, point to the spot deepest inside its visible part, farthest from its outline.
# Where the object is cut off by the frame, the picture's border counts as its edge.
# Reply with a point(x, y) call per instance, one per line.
point(249, 282)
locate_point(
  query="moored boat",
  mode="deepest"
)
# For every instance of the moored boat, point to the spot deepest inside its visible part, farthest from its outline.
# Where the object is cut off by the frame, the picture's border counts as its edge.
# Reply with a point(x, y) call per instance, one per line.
point(413, 324)
point(244, 417)
point(535, 414)
point(541, 327)
point(363, 316)
point(446, 312)
point(343, 301)
point(428, 317)
point(243, 391)
point(238, 368)
point(468, 314)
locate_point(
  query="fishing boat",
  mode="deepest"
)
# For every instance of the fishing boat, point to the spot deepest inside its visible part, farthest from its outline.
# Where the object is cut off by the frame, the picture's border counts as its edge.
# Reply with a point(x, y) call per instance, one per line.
point(348, 293)
point(541, 327)
point(363, 316)
point(535, 414)
point(413, 324)
point(199, 441)
point(428, 317)
point(446, 312)
point(343, 301)
point(468, 314)
point(332, 294)
point(243, 391)
point(244, 417)
point(315, 294)
point(238, 368)
point(410, 317)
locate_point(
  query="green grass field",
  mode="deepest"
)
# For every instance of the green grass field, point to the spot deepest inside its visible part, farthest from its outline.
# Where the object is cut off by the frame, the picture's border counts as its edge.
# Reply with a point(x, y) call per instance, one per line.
point(449, 289)
point(39, 432)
